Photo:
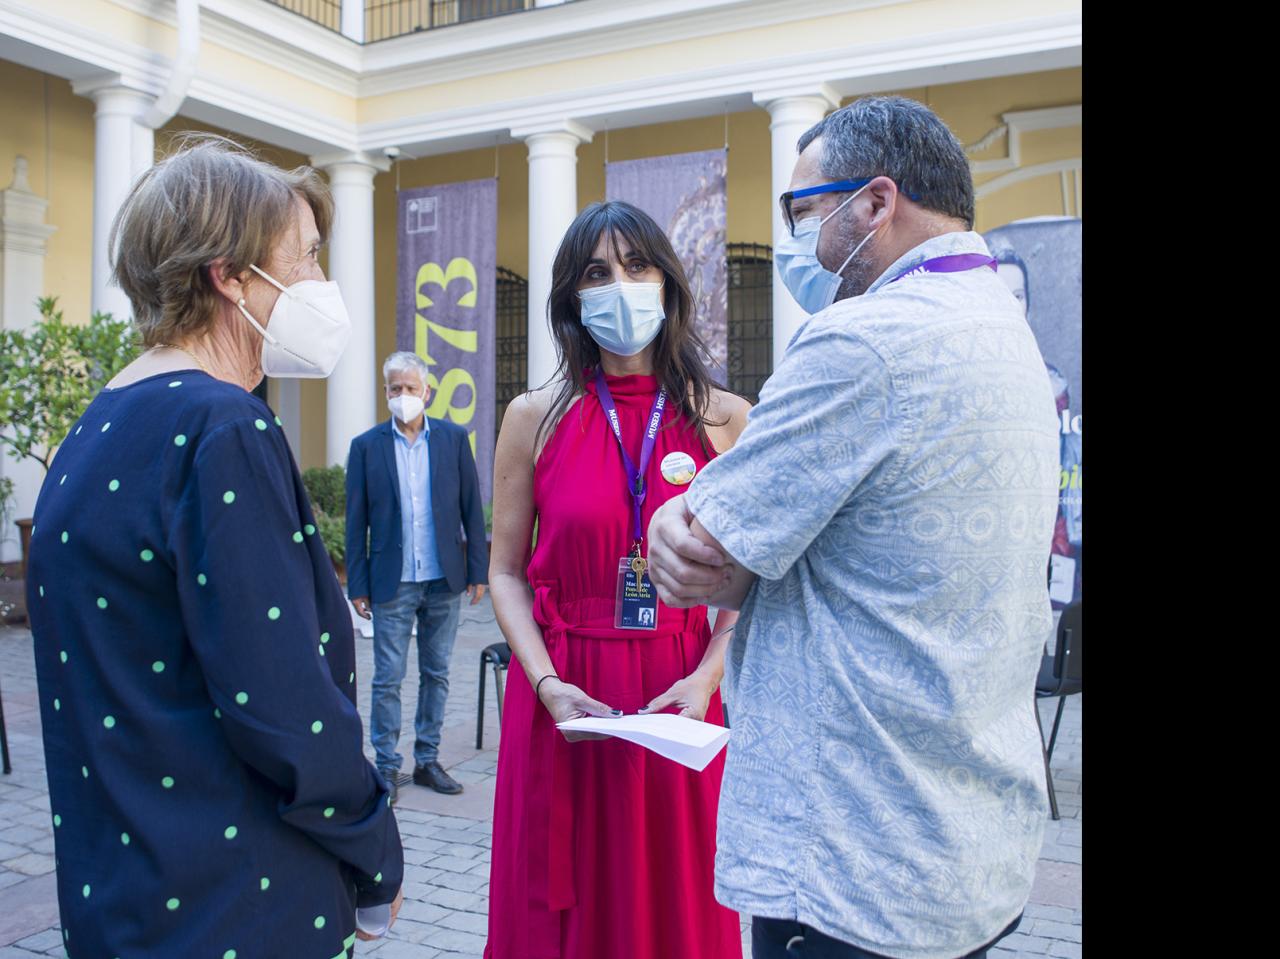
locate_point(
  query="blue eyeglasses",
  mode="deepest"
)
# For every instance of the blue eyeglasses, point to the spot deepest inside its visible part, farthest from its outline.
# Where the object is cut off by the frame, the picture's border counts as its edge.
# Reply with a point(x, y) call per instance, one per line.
point(840, 186)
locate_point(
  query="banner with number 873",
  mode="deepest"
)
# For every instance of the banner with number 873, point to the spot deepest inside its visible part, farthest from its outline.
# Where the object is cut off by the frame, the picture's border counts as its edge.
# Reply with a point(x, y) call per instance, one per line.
point(447, 240)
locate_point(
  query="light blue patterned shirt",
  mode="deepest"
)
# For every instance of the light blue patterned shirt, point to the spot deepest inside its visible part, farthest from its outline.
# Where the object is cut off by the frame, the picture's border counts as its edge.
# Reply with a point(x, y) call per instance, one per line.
point(417, 522)
point(895, 490)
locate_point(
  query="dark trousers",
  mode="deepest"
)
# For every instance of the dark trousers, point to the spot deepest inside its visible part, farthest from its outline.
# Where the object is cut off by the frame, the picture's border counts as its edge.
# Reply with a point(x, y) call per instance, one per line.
point(788, 939)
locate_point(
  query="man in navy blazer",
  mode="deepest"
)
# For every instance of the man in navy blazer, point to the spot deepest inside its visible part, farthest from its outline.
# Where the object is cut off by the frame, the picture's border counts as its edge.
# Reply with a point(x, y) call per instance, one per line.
point(411, 489)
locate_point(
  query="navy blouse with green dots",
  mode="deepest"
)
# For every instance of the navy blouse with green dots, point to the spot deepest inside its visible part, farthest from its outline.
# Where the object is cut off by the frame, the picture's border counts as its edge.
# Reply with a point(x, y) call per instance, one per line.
point(196, 670)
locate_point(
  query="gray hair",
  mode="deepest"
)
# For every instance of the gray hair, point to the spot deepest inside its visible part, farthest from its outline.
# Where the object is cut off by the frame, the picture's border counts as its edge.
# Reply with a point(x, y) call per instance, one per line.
point(903, 140)
point(405, 362)
point(212, 199)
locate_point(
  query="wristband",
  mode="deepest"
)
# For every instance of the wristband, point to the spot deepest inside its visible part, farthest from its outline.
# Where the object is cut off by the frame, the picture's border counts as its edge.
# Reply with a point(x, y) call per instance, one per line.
point(538, 687)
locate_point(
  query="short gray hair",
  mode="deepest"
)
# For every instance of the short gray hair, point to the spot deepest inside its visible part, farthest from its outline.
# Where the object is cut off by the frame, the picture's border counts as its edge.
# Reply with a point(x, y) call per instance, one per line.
point(212, 199)
point(405, 361)
point(903, 140)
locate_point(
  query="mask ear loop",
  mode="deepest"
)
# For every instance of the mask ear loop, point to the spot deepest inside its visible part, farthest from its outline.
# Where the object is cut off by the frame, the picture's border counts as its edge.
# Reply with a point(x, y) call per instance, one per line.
point(283, 289)
point(254, 323)
point(855, 250)
point(849, 258)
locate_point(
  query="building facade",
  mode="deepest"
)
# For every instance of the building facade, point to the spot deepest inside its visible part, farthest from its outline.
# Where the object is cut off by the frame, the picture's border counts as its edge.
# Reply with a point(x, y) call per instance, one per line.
point(392, 94)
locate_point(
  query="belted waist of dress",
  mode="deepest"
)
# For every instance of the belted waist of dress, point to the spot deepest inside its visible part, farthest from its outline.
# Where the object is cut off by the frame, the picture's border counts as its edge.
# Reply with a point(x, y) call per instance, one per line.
point(593, 618)
point(588, 618)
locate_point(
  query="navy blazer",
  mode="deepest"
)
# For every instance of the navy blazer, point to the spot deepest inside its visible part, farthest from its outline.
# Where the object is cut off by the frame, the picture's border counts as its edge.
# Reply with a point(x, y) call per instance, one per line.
point(373, 511)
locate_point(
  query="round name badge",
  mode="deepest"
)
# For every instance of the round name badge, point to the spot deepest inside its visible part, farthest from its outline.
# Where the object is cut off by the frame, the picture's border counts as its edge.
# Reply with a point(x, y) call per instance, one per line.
point(678, 468)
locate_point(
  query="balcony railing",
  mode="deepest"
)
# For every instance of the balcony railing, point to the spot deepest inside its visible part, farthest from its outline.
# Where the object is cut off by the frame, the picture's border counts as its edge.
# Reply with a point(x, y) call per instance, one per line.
point(384, 19)
point(327, 13)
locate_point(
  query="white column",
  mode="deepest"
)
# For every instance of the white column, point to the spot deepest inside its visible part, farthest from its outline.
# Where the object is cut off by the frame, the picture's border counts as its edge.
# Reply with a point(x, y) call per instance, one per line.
point(353, 20)
point(120, 152)
point(553, 203)
point(790, 116)
point(351, 386)
point(142, 154)
point(24, 238)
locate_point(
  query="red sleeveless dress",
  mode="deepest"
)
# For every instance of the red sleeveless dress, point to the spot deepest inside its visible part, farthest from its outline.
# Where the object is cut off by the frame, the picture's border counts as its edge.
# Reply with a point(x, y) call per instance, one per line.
point(602, 849)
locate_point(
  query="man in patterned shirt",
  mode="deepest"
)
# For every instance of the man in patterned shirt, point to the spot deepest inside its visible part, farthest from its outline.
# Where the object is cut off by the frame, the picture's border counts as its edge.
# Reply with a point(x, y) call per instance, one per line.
point(883, 523)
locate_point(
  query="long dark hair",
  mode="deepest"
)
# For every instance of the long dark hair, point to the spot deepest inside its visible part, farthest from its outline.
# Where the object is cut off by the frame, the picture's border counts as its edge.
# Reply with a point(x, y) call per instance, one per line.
point(677, 358)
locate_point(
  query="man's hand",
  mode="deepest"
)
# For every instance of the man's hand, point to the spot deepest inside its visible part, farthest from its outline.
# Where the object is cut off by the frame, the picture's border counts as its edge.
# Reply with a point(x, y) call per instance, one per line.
point(476, 592)
point(692, 695)
point(361, 603)
point(686, 571)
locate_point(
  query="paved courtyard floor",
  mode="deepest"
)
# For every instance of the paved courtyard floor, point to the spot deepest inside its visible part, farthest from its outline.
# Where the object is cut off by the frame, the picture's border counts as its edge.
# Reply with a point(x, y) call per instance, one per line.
point(446, 838)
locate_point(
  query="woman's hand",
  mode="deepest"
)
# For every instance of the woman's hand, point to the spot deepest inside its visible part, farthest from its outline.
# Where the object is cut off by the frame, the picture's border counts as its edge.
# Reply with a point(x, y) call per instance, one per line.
point(395, 911)
point(691, 695)
point(564, 702)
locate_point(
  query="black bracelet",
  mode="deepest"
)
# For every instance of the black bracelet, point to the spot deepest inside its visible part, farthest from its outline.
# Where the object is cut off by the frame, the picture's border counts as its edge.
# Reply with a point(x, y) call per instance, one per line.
point(539, 685)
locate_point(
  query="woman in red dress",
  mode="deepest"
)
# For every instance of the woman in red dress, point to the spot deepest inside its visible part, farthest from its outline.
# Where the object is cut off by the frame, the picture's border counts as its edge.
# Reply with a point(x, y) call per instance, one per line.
point(602, 849)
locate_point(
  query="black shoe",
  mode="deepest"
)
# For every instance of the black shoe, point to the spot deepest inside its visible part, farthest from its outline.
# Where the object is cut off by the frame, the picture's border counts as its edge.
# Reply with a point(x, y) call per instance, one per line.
point(434, 776)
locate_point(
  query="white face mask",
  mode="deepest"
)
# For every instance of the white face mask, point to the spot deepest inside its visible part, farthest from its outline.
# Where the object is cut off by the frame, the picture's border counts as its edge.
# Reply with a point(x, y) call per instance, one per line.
point(623, 318)
point(309, 329)
point(406, 407)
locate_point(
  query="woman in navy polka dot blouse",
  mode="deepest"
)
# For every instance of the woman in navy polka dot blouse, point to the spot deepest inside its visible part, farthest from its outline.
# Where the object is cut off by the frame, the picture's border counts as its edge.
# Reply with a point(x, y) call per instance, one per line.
point(194, 652)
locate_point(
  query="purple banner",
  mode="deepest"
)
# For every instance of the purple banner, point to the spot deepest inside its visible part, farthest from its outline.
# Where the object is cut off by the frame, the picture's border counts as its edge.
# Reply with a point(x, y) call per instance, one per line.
point(1041, 260)
point(685, 193)
point(447, 253)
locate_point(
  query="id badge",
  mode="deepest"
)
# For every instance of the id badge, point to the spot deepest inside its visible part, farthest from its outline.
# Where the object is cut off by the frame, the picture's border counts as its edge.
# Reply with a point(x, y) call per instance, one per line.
point(637, 604)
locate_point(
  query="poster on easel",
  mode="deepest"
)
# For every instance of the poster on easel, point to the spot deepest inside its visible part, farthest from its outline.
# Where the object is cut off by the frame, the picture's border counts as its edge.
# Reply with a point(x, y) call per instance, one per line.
point(1040, 259)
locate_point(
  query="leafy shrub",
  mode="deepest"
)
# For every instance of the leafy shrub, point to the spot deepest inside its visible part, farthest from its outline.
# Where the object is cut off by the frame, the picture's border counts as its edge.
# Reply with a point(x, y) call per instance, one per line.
point(51, 372)
point(327, 488)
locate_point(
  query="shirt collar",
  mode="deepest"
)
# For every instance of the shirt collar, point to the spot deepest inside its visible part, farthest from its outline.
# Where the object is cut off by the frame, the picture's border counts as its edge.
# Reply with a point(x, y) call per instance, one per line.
point(426, 428)
point(945, 245)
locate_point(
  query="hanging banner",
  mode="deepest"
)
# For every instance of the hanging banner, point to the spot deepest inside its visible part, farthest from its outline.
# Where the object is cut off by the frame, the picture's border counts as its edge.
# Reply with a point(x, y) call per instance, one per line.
point(1040, 259)
point(447, 249)
point(685, 193)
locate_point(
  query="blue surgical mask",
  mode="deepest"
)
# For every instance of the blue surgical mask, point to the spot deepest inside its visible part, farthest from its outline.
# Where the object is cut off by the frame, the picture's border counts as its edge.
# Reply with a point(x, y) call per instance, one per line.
point(623, 318)
point(812, 285)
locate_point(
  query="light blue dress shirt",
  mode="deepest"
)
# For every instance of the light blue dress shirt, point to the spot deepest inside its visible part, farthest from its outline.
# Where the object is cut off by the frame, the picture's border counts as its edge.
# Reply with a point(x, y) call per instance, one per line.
point(417, 523)
point(895, 490)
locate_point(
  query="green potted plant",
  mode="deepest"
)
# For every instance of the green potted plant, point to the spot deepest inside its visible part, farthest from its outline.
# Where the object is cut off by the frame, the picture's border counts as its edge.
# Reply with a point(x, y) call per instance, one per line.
point(327, 488)
point(49, 374)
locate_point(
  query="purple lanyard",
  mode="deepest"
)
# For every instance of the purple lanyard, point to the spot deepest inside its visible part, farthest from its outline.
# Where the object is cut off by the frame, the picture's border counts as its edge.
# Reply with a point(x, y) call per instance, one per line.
point(635, 477)
point(956, 263)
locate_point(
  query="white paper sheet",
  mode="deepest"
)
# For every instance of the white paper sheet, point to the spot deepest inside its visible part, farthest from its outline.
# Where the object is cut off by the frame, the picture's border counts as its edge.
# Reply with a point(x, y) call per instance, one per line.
point(689, 742)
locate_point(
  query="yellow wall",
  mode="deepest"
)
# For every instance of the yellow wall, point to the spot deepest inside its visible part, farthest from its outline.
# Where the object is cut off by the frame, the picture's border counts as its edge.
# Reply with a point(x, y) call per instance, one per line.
point(42, 120)
point(973, 109)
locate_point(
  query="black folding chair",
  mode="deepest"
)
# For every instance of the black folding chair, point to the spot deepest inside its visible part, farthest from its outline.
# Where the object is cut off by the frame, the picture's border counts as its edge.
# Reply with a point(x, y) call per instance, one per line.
point(4, 740)
point(1061, 675)
point(499, 657)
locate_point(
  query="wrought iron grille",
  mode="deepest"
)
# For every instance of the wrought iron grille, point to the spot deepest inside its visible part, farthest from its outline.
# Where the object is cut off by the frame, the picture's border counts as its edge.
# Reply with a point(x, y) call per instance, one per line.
point(750, 317)
point(327, 13)
point(511, 344)
point(384, 19)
